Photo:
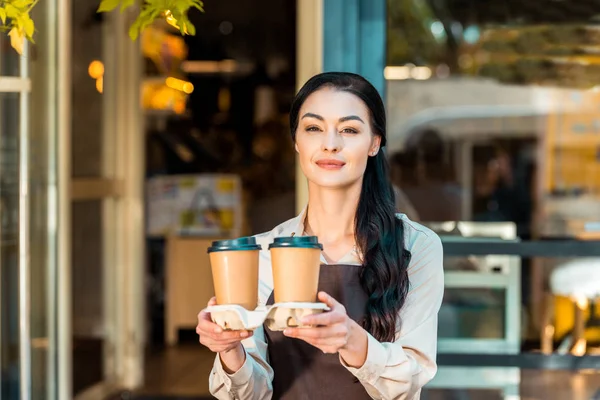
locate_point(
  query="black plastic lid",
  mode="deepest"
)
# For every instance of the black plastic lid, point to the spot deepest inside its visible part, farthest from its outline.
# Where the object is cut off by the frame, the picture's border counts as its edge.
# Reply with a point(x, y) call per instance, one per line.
point(302, 242)
point(244, 243)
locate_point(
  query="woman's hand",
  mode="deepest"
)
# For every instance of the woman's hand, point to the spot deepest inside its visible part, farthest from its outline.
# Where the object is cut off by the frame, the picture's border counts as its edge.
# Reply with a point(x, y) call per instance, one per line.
point(226, 343)
point(213, 336)
point(334, 332)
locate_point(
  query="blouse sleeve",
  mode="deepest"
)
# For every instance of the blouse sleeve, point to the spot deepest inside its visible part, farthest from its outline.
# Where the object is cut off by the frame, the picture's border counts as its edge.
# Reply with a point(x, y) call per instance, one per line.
point(252, 381)
point(400, 369)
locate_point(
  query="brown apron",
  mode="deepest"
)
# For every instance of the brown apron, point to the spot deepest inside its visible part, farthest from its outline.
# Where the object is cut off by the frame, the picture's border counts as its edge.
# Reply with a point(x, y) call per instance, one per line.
point(302, 371)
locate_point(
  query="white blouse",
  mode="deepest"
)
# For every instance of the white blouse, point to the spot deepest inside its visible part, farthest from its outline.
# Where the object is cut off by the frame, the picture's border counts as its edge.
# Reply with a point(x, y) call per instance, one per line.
point(396, 370)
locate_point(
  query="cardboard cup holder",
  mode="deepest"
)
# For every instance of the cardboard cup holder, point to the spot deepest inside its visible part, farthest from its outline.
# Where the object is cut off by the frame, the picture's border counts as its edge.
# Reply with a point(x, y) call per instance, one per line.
point(276, 317)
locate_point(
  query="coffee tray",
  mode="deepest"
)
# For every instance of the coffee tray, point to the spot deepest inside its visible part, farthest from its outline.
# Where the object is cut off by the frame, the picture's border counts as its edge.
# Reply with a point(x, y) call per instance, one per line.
point(276, 317)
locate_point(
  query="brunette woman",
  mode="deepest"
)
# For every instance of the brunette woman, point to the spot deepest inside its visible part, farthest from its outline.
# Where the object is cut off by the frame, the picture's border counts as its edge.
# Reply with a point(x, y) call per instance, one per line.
point(381, 273)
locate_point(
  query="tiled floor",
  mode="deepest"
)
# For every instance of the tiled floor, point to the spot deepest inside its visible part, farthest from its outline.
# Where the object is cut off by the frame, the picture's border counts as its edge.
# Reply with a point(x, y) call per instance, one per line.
point(183, 372)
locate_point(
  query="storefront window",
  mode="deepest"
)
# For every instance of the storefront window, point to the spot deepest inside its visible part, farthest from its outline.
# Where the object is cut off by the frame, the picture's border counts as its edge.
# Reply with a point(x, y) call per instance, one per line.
point(493, 119)
point(10, 60)
point(9, 245)
point(489, 107)
point(29, 213)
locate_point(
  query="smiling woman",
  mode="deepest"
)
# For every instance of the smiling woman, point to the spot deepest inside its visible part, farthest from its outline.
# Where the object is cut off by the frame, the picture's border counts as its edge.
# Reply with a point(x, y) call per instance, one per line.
point(381, 274)
point(335, 139)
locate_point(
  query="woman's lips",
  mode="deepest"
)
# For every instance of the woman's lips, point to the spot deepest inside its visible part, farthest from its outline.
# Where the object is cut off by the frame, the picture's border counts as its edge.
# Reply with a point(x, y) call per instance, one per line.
point(330, 164)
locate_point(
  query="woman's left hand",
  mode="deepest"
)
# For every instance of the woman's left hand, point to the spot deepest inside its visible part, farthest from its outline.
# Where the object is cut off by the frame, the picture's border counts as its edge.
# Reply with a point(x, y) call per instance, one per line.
point(333, 331)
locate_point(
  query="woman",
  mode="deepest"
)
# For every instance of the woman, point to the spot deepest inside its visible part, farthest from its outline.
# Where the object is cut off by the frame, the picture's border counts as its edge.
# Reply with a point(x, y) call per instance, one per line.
point(381, 274)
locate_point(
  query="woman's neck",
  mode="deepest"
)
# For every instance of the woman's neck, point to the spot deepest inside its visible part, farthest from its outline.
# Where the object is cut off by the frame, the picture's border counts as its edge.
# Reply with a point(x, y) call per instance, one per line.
point(331, 212)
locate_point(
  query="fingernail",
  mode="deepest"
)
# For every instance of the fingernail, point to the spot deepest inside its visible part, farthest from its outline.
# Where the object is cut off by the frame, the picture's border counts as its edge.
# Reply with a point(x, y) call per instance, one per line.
point(244, 334)
point(218, 330)
point(286, 332)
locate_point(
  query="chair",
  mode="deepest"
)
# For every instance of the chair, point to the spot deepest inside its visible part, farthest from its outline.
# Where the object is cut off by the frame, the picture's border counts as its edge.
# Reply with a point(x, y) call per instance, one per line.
point(578, 280)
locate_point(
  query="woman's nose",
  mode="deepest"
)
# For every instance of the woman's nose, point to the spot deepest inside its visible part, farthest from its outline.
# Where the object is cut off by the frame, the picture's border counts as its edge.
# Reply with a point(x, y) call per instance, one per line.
point(332, 142)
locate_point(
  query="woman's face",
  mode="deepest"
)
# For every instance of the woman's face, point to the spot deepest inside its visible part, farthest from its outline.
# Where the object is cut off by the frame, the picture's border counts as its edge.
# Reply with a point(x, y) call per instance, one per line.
point(334, 139)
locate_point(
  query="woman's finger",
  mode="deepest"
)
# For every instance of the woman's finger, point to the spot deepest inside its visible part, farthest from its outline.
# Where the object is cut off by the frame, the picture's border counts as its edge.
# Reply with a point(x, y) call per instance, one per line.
point(212, 302)
point(324, 319)
point(329, 300)
point(312, 333)
point(205, 323)
point(204, 316)
point(210, 342)
point(227, 335)
point(220, 344)
point(218, 347)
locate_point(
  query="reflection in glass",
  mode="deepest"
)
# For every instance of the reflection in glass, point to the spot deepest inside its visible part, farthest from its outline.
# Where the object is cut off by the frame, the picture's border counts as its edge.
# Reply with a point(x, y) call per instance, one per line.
point(493, 111)
point(87, 101)
point(9, 246)
point(87, 293)
point(471, 394)
point(546, 42)
point(9, 58)
point(472, 313)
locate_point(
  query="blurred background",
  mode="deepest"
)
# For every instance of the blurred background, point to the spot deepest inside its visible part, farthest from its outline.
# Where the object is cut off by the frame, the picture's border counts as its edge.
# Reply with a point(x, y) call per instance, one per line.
point(120, 162)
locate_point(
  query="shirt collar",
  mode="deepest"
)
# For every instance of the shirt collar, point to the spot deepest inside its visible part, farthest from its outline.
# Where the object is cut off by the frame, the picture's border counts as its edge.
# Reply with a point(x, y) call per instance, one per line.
point(297, 228)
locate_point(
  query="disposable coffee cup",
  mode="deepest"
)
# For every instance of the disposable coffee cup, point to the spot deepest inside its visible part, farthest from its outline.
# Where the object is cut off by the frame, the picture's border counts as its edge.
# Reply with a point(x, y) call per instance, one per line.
point(296, 262)
point(234, 265)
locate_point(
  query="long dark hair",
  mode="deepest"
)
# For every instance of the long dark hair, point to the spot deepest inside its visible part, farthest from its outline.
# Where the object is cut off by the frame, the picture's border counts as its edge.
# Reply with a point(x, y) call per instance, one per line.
point(379, 234)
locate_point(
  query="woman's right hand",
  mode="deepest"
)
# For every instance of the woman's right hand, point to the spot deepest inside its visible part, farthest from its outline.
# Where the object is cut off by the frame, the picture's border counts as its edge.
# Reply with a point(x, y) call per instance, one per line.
point(214, 337)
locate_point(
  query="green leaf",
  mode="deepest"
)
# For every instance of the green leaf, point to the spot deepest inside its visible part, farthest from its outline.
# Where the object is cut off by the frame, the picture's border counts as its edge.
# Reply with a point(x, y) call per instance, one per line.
point(146, 18)
point(21, 3)
point(126, 4)
point(108, 5)
point(153, 9)
point(133, 32)
point(29, 27)
point(199, 5)
point(186, 27)
point(177, 14)
point(3, 15)
point(19, 23)
point(191, 29)
point(11, 11)
point(32, 4)
point(182, 5)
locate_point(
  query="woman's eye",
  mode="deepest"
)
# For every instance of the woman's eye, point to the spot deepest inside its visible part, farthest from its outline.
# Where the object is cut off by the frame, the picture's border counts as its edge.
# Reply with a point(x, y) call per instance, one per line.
point(349, 130)
point(313, 129)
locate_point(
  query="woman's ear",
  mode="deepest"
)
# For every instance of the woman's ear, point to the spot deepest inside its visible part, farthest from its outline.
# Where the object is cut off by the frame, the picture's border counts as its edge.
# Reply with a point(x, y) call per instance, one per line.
point(296, 147)
point(375, 146)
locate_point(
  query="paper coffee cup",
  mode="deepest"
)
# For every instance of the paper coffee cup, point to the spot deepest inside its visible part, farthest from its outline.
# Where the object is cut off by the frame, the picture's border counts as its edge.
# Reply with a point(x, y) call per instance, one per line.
point(296, 263)
point(234, 265)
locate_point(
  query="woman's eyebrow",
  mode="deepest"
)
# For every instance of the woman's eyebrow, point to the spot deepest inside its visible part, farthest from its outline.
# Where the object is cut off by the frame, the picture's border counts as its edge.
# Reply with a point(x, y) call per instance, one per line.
point(352, 118)
point(343, 119)
point(312, 115)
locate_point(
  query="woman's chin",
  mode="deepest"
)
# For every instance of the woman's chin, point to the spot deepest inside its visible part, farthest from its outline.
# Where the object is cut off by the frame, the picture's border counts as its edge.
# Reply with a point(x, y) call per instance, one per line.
point(332, 183)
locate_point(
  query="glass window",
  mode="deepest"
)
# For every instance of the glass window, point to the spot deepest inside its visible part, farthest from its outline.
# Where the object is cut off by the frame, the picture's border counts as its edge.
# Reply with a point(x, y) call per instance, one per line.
point(89, 329)
point(469, 313)
point(493, 116)
point(87, 102)
point(490, 105)
point(9, 245)
point(9, 58)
